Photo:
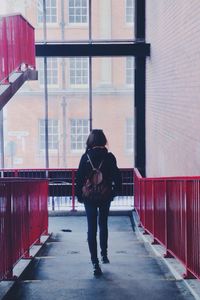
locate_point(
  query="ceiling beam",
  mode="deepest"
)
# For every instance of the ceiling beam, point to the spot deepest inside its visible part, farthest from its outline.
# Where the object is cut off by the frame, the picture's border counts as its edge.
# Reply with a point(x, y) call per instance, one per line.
point(140, 49)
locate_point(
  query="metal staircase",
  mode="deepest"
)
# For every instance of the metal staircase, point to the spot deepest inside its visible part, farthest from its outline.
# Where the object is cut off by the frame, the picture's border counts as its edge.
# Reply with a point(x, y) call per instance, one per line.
point(17, 55)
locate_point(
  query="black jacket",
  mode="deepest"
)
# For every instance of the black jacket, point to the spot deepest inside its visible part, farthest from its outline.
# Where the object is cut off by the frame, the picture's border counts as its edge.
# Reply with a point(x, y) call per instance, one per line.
point(109, 169)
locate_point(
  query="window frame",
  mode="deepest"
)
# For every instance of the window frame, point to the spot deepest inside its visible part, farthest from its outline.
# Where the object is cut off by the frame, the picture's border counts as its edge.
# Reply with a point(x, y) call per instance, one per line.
point(78, 24)
point(50, 24)
point(129, 23)
point(129, 135)
point(83, 140)
point(75, 69)
point(50, 76)
point(129, 70)
point(51, 135)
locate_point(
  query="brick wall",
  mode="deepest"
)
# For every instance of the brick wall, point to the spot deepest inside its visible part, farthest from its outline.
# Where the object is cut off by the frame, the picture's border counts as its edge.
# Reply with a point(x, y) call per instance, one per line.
point(173, 87)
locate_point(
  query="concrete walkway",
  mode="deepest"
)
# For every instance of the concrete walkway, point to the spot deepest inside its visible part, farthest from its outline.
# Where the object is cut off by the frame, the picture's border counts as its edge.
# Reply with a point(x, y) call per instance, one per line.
point(62, 270)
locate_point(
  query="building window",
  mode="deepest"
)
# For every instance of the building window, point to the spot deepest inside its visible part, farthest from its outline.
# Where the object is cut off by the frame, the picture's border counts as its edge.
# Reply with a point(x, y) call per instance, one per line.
point(52, 134)
point(78, 71)
point(79, 134)
point(129, 135)
point(78, 11)
point(130, 70)
point(52, 71)
point(129, 11)
point(51, 11)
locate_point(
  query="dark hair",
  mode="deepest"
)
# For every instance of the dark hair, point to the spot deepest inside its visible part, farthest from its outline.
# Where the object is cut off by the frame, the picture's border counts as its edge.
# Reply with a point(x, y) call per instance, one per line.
point(96, 138)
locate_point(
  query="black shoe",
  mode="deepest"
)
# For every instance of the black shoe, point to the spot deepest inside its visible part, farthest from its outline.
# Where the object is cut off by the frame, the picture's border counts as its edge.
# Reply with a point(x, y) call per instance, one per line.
point(97, 270)
point(105, 260)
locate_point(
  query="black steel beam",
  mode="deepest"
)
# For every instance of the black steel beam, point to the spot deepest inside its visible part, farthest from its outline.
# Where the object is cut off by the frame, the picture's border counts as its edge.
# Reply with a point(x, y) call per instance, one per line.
point(140, 128)
point(109, 49)
point(140, 20)
point(140, 91)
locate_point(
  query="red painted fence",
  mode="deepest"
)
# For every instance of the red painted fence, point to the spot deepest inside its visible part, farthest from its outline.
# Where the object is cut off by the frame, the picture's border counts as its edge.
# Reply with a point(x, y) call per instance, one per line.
point(169, 210)
point(23, 219)
point(62, 187)
point(17, 45)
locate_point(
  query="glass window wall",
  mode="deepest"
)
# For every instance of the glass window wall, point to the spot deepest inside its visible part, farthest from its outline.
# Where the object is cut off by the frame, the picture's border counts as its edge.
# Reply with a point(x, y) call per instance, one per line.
point(81, 92)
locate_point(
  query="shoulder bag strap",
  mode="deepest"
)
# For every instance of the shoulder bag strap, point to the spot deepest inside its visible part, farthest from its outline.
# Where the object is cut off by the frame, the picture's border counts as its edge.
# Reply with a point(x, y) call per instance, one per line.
point(93, 168)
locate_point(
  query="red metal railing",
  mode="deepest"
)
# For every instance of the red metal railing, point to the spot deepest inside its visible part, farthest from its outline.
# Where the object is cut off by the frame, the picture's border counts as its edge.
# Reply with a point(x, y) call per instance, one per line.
point(17, 45)
point(62, 187)
point(23, 219)
point(169, 209)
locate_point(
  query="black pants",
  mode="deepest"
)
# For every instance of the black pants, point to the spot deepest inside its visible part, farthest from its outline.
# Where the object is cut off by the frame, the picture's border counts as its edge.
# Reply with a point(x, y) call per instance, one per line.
point(97, 213)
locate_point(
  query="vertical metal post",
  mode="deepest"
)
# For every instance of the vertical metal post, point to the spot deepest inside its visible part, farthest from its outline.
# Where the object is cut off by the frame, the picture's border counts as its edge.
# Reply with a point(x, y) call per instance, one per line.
point(90, 92)
point(90, 21)
point(90, 67)
point(45, 91)
point(44, 21)
point(140, 130)
point(167, 221)
point(5, 50)
point(140, 72)
point(73, 190)
point(188, 216)
point(140, 6)
point(9, 249)
point(155, 242)
point(2, 139)
point(46, 115)
point(62, 23)
point(64, 102)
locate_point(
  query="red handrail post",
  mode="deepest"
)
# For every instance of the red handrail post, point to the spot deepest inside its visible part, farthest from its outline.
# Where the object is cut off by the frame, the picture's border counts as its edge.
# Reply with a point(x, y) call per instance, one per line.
point(167, 254)
point(27, 255)
point(5, 52)
point(38, 242)
point(73, 190)
point(10, 254)
point(154, 242)
point(146, 208)
point(133, 174)
point(139, 201)
point(187, 274)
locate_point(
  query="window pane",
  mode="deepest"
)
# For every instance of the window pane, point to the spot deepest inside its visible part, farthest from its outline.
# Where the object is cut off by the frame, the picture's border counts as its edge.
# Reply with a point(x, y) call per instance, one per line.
point(130, 11)
point(78, 12)
point(112, 21)
point(109, 21)
point(113, 105)
point(79, 136)
point(51, 11)
point(52, 71)
point(129, 135)
point(69, 115)
point(52, 134)
point(79, 71)
point(130, 70)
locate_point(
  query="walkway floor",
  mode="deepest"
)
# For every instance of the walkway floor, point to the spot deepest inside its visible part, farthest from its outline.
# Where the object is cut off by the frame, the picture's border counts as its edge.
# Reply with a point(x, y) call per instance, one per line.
point(63, 270)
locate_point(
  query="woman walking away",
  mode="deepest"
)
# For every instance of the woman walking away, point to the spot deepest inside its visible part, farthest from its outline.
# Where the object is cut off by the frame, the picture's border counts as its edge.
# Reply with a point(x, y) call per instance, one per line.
point(98, 180)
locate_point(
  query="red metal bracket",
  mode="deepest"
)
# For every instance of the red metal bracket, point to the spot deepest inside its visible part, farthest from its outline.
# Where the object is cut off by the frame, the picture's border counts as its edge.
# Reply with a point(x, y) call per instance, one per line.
point(189, 275)
point(168, 255)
